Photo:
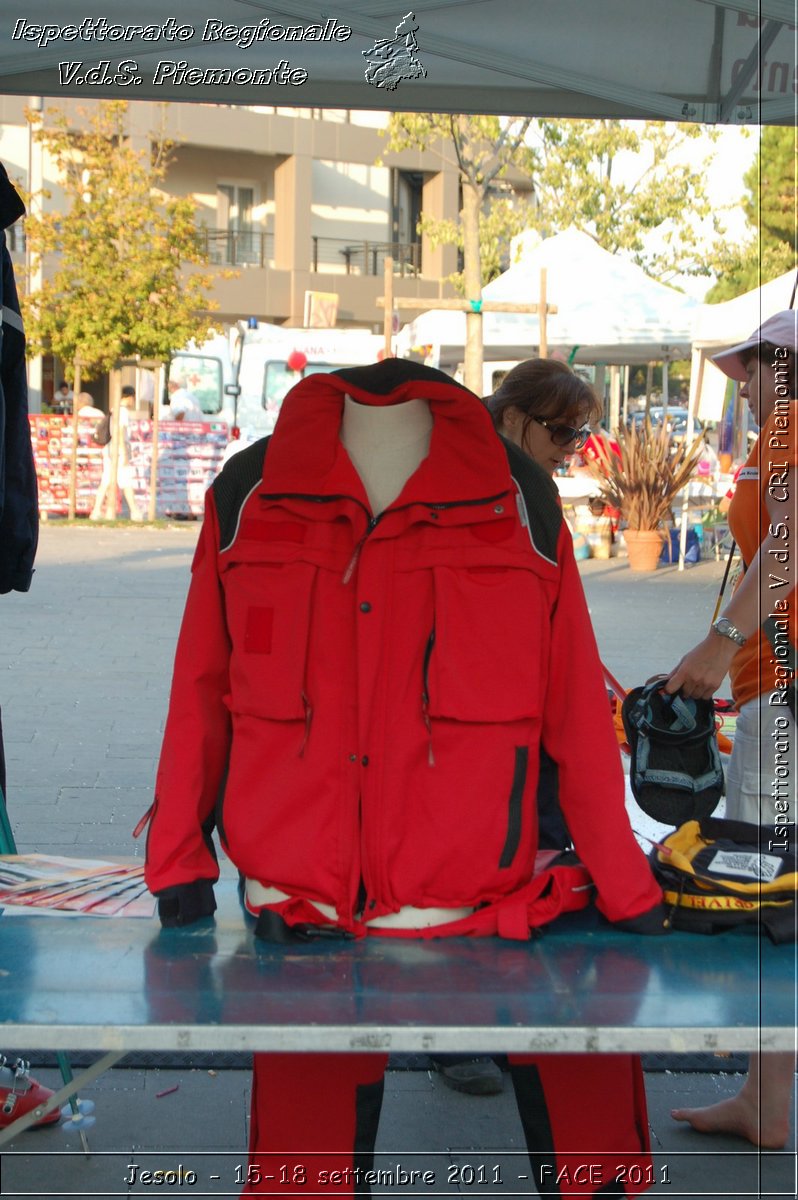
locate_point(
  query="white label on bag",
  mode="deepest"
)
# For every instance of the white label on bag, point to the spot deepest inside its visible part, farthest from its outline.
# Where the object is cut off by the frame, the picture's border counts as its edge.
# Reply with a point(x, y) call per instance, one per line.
point(764, 867)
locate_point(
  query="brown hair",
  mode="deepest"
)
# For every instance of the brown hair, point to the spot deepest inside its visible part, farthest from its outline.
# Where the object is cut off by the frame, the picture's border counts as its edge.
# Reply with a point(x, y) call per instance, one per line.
point(766, 353)
point(544, 387)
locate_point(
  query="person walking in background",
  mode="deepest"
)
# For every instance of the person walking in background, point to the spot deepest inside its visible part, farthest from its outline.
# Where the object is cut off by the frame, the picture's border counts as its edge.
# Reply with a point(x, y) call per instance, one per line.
point(745, 642)
point(183, 404)
point(125, 476)
point(86, 406)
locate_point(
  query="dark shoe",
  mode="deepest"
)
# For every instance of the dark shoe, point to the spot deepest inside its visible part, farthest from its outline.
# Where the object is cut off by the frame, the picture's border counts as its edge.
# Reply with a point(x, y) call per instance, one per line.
point(477, 1075)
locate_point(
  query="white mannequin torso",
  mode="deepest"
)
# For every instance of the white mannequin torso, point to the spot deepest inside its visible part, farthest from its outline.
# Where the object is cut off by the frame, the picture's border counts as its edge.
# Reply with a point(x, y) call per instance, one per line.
point(386, 445)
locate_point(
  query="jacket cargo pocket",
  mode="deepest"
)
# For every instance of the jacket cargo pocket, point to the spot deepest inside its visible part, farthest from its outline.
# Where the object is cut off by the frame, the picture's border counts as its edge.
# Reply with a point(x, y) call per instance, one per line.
point(269, 610)
point(489, 656)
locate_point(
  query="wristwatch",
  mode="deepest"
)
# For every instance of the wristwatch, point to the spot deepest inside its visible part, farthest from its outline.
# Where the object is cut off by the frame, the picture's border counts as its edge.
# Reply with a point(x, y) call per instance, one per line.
point(724, 627)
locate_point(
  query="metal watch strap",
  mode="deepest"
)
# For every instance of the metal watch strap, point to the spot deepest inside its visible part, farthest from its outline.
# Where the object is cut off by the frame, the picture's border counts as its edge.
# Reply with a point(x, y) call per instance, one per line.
point(724, 628)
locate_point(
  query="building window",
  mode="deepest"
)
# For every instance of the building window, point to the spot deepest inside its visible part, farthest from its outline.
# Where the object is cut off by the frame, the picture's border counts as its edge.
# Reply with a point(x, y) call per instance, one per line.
point(239, 240)
point(407, 192)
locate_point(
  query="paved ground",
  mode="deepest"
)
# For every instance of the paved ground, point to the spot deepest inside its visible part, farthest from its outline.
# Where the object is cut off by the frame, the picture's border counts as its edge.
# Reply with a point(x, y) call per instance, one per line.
point(85, 660)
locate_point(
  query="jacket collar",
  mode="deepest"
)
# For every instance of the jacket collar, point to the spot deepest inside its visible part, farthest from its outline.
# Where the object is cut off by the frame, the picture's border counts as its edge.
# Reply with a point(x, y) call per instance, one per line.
point(466, 459)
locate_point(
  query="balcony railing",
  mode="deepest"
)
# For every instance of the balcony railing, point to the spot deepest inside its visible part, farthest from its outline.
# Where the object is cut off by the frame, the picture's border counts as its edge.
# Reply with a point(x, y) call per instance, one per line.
point(342, 257)
point(334, 256)
point(232, 248)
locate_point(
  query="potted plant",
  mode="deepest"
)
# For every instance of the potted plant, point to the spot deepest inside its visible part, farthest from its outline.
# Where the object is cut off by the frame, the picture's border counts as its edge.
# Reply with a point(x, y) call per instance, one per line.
point(643, 483)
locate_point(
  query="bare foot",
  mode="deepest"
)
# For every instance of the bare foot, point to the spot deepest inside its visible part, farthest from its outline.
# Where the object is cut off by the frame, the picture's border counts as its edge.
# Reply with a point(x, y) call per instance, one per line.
point(737, 1116)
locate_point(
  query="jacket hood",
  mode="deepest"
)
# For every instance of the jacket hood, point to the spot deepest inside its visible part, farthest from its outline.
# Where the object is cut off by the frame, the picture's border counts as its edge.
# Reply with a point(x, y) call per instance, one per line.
point(11, 206)
point(466, 458)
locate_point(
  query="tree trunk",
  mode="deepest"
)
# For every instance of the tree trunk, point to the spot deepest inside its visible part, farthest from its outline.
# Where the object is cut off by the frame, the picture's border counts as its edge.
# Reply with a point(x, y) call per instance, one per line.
point(472, 277)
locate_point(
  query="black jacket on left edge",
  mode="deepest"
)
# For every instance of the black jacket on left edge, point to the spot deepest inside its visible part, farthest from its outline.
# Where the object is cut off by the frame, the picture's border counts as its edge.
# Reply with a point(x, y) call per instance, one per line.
point(19, 510)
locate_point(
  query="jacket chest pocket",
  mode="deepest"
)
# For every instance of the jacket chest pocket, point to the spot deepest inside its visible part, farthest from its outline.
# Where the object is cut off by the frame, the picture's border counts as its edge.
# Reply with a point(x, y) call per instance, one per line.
point(269, 608)
point(487, 656)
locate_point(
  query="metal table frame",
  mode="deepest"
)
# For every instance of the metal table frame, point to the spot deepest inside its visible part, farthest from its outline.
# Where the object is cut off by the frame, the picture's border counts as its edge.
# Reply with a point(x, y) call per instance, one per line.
point(120, 985)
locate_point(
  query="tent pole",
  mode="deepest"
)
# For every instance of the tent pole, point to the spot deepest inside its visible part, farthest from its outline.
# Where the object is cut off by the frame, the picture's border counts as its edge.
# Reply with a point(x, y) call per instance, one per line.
point(543, 349)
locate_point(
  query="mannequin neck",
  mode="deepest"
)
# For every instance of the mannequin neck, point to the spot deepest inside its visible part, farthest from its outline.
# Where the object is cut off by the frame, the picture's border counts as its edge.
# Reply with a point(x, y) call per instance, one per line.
point(386, 445)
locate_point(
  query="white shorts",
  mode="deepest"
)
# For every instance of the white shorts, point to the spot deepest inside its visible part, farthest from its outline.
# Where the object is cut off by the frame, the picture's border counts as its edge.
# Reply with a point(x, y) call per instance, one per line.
point(761, 775)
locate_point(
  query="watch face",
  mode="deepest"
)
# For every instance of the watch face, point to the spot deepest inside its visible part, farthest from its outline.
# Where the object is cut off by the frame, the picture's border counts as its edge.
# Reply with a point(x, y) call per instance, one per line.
point(724, 627)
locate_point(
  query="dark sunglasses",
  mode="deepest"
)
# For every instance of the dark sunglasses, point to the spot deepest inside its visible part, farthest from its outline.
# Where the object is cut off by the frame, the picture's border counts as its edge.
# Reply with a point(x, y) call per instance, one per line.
point(563, 435)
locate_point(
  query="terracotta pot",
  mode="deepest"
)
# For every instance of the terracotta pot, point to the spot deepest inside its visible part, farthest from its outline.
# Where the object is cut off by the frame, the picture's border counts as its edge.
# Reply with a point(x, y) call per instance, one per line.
point(644, 547)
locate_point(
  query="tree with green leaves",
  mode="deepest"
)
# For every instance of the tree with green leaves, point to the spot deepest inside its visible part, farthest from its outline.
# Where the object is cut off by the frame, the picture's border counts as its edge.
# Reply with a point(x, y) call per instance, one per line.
point(769, 207)
point(485, 148)
point(621, 182)
point(119, 246)
point(631, 186)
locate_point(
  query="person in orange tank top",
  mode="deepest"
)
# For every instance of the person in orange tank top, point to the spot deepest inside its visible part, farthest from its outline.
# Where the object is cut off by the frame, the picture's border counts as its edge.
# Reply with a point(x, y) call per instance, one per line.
point(754, 640)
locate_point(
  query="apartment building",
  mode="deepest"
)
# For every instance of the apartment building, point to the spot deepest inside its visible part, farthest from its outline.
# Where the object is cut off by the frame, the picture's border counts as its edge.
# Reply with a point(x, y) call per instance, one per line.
point(301, 202)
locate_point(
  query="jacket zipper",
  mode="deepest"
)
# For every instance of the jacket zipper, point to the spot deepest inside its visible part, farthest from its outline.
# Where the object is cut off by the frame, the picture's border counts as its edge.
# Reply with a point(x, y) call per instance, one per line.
point(350, 569)
point(308, 722)
point(306, 702)
point(434, 505)
point(425, 696)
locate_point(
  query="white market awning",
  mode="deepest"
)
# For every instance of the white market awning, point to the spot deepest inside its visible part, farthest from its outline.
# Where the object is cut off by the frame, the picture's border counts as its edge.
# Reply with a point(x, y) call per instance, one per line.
point(608, 310)
point(693, 60)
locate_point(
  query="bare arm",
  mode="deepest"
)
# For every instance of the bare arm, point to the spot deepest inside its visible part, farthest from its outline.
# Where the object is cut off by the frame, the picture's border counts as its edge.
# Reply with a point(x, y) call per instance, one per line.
point(700, 672)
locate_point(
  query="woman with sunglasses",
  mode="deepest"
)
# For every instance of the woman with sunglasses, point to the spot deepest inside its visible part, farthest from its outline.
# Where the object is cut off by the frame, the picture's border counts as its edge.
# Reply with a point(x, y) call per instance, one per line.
point(546, 409)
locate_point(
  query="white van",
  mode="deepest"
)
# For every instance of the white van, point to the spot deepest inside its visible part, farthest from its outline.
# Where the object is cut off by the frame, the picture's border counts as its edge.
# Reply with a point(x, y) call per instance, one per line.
point(242, 378)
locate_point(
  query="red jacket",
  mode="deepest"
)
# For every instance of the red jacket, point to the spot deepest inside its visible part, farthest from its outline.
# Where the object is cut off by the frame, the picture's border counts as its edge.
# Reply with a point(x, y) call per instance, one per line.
point(375, 690)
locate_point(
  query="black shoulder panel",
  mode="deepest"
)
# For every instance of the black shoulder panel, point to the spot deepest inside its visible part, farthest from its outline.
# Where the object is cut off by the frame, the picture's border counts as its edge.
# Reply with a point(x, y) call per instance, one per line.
point(384, 377)
point(541, 499)
point(234, 483)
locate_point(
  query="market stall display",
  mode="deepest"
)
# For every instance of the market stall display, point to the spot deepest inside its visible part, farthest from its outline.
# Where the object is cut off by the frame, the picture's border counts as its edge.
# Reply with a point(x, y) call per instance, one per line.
point(189, 457)
point(51, 436)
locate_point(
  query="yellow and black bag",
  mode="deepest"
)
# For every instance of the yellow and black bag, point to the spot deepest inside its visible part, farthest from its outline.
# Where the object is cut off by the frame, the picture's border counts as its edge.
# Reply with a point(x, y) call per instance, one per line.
point(716, 874)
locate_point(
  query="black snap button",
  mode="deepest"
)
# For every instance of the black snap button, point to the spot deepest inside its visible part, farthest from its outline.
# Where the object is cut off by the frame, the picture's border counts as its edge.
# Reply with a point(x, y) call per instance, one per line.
point(365, 607)
point(364, 760)
point(353, 758)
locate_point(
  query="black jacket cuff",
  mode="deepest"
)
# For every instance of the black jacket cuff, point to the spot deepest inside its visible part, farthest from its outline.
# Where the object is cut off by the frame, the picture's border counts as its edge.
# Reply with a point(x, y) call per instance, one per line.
point(186, 903)
point(654, 922)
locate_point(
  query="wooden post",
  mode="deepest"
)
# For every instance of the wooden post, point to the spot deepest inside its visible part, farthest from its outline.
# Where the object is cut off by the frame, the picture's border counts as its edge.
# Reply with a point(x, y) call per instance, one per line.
point(112, 499)
point(73, 464)
point(152, 510)
point(389, 303)
point(387, 320)
point(543, 349)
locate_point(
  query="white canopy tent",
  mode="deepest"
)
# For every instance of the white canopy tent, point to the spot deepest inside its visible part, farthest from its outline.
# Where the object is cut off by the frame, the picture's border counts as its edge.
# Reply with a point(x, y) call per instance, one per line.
point(717, 326)
point(608, 309)
point(728, 61)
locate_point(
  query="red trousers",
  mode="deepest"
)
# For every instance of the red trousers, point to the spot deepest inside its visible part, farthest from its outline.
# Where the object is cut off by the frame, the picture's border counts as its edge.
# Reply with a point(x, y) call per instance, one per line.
point(315, 1117)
